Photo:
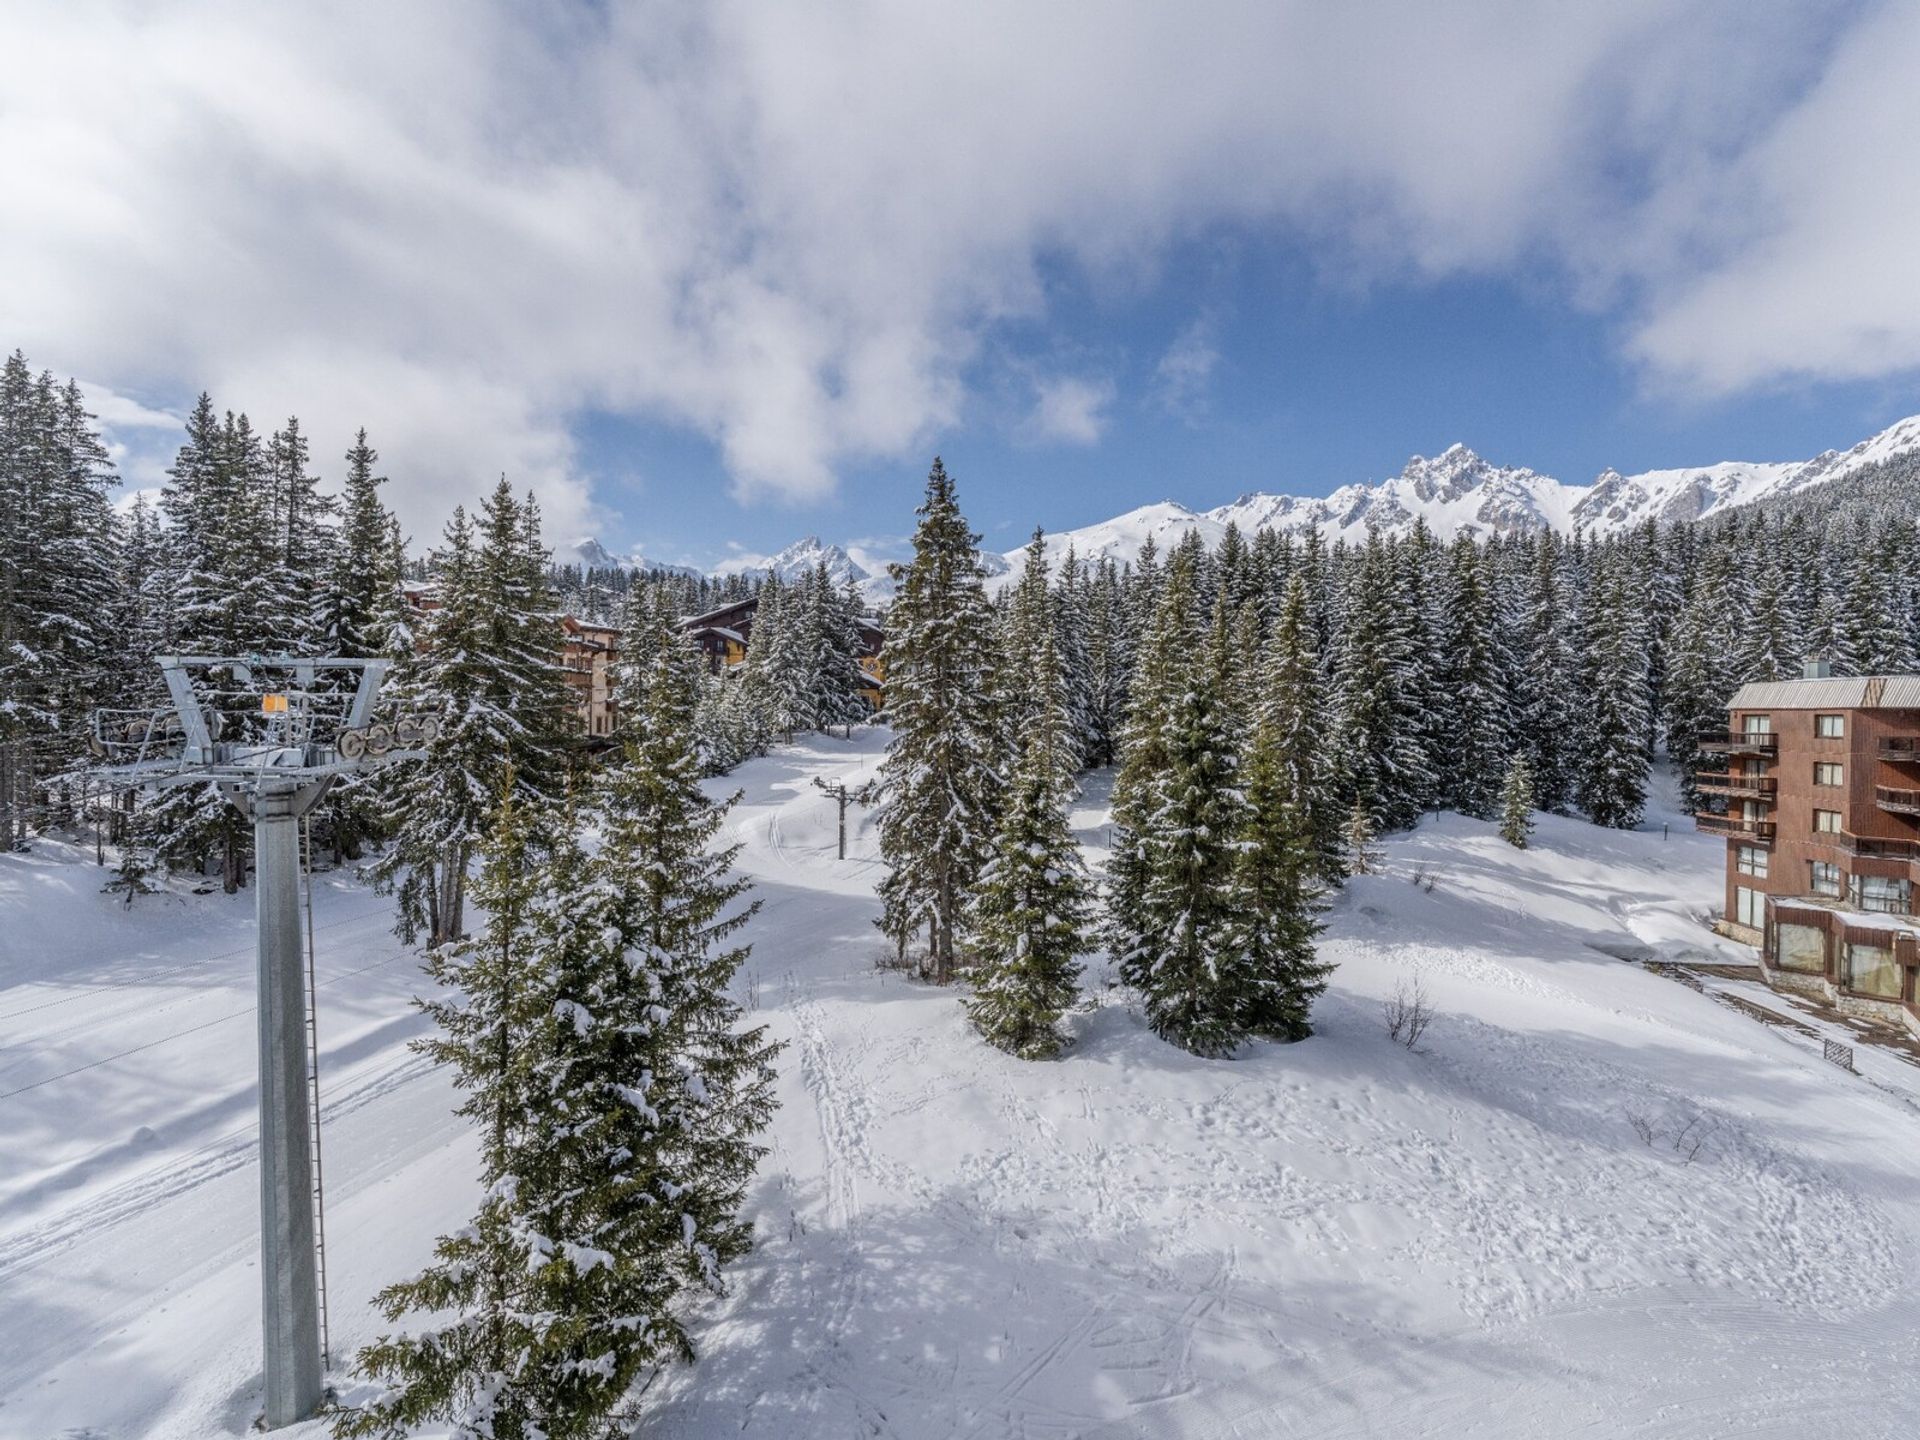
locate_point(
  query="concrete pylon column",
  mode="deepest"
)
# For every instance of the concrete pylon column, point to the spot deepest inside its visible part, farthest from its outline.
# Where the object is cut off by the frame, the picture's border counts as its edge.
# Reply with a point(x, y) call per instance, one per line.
point(290, 1292)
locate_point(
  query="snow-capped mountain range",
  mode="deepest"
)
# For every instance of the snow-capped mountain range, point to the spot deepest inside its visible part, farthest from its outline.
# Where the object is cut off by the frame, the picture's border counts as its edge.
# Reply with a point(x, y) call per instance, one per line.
point(589, 554)
point(1456, 492)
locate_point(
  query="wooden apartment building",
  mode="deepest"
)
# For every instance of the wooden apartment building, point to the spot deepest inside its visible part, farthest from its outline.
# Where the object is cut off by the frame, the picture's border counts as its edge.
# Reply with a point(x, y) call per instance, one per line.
point(1820, 808)
point(722, 636)
point(587, 652)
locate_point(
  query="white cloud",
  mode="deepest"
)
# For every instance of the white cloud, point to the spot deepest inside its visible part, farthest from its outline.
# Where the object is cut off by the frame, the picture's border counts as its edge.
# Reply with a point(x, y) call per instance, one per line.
point(1825, 284)
point(463, 222)
point(1181, 378)
point(1069, 410)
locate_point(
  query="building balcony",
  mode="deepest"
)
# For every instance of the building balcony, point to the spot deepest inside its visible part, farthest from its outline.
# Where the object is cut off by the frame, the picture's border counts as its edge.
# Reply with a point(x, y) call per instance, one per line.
point(1867, 849)
point(1901, 802)
point(1737, 742)
point(1735, 827)
point(1901, 749)
point(1743, 787)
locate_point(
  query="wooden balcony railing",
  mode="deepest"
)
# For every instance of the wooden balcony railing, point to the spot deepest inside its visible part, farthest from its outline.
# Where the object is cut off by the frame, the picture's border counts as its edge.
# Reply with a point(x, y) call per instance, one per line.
point(1868, 849)
point(1901, 749)
point(1901, 802)
point(1748, 787)
point(1735, 827)
point(1739, 742)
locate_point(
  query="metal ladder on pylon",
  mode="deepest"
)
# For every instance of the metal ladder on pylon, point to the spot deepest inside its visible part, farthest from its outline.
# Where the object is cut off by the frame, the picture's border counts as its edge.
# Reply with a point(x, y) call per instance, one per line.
point(313, 1106)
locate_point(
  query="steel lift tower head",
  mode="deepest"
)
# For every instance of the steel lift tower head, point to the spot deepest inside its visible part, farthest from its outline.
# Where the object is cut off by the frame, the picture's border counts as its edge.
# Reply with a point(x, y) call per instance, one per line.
point(273, 733)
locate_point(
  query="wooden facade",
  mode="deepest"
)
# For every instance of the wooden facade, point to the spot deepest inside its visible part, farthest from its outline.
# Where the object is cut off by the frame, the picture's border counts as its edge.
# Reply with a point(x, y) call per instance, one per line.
point(722, 636)
point(587, 653)
point(1820, 808)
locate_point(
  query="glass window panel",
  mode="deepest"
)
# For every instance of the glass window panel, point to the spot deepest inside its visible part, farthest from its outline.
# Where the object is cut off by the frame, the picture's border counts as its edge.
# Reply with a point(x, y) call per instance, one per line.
point(1800, 947)
point(1870, 970)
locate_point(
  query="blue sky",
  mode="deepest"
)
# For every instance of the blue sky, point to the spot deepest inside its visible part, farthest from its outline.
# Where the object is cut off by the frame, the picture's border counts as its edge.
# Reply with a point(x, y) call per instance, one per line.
point(1303, 384)
point(707, 275)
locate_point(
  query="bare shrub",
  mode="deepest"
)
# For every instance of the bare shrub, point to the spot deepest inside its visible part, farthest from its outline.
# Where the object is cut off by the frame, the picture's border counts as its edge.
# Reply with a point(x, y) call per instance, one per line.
point(1422, 880)
point(1408, 1013)
point(1690, 1136)
point(1690, 1139)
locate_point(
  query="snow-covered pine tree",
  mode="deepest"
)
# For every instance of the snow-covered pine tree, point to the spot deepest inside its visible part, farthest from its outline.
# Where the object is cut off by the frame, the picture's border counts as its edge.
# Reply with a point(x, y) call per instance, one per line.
point(1417, 566)
point(306, 544)
point(658, 1091)
point(938, 783)
point(1770, 647)
point(1276, 887)
point(59, 594)
point(1109, 665)
point(1478, 682)
point(1516, 804)
point(1380, 696)
point(1195, 977)
point(218, 542)
point(1070, 640)
point(487, 671)
point(1029, 910)
point(359, 616)
point(485, 1309)
point(1874, 634)
point(1026, 623)
point(1363, 855)
point(1613, 782)
point(1167, 648)
point(833, 667)
point(1700, 680)
point(1547, 674)
point(361, 592)
point(1294, 705)
point(776, 671)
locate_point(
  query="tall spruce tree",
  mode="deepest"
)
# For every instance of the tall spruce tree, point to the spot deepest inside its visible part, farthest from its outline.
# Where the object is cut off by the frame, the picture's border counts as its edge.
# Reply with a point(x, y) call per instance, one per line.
point(1478, 684)
point(1276, 881)
point(1516, 804)
point(1186, 953)
point(938, 783)
point(488, 672)
point(1613, 783)
point(619, 1095)
point(1029, 910)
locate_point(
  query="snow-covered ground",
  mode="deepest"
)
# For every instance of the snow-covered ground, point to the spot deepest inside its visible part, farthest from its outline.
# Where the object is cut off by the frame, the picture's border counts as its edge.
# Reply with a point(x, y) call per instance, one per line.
point(1339, 1238)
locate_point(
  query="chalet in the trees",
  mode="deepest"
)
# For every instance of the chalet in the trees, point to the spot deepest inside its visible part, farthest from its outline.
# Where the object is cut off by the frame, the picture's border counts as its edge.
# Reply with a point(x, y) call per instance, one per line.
point(1820, 807)
point(588, 651)
point(722, 636)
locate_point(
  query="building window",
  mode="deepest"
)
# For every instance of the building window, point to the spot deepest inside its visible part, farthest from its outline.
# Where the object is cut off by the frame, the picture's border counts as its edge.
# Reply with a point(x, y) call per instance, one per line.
point(1757, 724)
point(1749, 907)
point(1828, 772)
point(1880, 893)
point(1753, 861)
point(1800, 947)
point(1830, 727)
point(1826, 822)
point(1871, 971)
point(1823, 878)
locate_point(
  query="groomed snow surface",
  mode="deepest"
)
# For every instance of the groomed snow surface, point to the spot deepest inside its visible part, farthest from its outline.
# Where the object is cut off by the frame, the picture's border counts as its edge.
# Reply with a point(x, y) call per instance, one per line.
point(1338, 1238)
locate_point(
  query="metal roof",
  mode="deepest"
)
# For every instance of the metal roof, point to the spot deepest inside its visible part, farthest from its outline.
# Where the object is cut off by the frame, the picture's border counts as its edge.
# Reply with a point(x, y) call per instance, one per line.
point(1838, 692)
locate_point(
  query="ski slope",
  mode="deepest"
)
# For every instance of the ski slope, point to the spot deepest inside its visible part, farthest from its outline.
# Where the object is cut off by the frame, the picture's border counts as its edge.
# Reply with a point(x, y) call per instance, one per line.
point(1339, 1238)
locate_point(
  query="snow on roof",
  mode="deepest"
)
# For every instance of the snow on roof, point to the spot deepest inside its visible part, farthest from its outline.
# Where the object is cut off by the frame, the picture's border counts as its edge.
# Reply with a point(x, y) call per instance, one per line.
point(1840, 692)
